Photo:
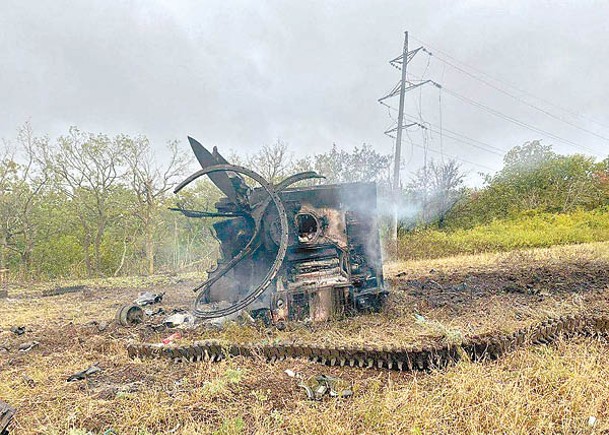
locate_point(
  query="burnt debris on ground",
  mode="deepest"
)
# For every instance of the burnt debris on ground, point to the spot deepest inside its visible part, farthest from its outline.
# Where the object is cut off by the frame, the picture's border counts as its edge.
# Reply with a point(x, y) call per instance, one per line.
point(69, 338)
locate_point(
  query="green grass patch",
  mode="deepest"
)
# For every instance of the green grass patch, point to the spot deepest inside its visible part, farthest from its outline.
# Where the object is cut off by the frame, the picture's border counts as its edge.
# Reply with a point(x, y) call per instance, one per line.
point(527, 230)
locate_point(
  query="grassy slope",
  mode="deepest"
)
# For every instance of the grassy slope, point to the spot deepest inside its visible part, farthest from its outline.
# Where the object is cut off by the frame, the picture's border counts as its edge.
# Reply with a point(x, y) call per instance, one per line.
point(526, 231)
point(534, 390)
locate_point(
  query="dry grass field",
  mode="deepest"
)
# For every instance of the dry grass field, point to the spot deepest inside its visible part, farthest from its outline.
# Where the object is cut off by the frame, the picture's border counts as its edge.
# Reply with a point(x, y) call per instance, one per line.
point(541, 389)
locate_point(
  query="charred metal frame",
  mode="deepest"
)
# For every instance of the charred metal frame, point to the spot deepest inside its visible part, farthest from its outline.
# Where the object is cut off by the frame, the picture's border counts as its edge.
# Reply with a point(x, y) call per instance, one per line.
point(289, 253)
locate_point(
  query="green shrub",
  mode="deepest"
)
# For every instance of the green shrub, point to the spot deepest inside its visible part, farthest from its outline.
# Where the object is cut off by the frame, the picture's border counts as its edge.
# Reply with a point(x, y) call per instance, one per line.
point(58, 257)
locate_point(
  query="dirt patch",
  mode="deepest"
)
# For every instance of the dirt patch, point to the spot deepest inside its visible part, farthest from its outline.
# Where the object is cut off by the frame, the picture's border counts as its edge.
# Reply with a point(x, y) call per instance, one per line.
point(459, 288)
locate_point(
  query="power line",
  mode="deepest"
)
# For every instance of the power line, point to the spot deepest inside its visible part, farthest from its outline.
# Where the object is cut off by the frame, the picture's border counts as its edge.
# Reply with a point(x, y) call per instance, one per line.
point(411, 149)
point(507, 117)
point(516, 121)
point(520, 100)
point(459, 159)
point(400, 89)
point(472, 142)
point(460, 136)
point(465, 139)
point(509, 85)
point(441, 126)
point(468, 140)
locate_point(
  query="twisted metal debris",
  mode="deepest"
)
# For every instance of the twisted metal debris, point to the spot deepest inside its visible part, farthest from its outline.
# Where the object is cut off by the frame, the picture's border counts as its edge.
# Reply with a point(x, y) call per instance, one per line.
point(6, 415)
point(476, 348)
point(287, 253)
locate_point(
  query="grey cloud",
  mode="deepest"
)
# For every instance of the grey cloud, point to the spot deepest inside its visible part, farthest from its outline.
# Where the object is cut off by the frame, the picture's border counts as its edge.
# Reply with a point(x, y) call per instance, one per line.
point(239, 74)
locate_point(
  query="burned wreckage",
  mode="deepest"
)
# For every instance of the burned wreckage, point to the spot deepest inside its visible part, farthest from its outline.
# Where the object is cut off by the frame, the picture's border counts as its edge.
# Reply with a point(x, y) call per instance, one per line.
point(287, 253)
point(313, 253)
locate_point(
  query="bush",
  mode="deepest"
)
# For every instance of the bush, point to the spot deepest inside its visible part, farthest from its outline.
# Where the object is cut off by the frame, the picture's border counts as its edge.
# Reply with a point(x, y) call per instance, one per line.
point(58, 257)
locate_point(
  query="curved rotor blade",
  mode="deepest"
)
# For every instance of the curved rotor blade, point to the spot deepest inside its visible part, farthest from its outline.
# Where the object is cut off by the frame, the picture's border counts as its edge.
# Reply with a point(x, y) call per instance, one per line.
point(204, 214)
point(251, 245)
point(285, 183)
point(296, 178)
point(220, 179)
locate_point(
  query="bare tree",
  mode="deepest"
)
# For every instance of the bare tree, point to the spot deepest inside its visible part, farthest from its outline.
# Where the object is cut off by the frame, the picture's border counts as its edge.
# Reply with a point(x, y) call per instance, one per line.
point(436, 187)
point(21, 181)
point(33, 179)
point(273, 162)
point(150, 181)
point(9, 170)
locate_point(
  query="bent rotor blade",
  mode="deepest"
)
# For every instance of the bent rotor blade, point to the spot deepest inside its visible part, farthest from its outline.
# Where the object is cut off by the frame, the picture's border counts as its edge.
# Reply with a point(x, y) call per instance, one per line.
point(287, 182)
point(203, 214)
point(220, 179)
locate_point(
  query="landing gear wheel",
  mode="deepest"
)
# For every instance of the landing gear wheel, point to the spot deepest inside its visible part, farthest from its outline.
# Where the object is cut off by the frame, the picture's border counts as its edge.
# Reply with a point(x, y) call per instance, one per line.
point(130, 315)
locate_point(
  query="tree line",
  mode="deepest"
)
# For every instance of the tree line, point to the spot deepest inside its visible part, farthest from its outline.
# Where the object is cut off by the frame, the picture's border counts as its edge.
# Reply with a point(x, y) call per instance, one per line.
point(87, 204)
point(534, 179)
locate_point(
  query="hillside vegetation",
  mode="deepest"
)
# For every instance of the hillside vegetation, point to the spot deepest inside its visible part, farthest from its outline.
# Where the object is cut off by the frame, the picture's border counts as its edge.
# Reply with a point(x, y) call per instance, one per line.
point(90, 205)
point(528, 230)
point(538, 199)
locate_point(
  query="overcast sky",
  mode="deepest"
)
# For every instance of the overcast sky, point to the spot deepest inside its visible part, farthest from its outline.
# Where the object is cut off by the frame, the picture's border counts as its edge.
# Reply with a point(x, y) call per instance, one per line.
point(239, 74)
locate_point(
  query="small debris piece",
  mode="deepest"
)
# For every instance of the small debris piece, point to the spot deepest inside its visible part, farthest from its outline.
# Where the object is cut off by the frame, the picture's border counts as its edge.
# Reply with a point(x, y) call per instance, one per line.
point(84, 374)
point(178, 319)
point(461, 287)
point(344, 393)
point(152, 313)
point(174, 429)
point(514, 288)
point(172, 338)
point(592, 421)
point(26, 347)
point(317, 386)
point(528, 289)
point(18, 330)
point(28, 381)
point(6, 416)
point(148, 298)
point(419, 318)
point(293, 374)
point(158, 327)
point(63, 290)
point(129, 315)
point(101, 326)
